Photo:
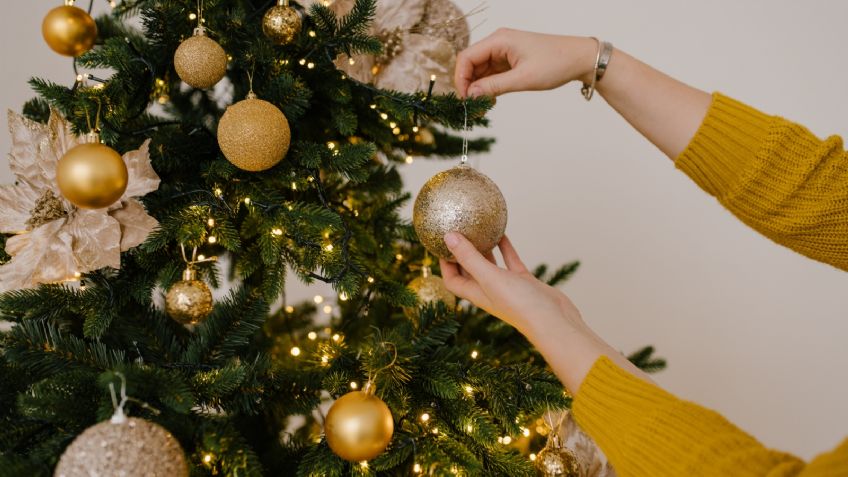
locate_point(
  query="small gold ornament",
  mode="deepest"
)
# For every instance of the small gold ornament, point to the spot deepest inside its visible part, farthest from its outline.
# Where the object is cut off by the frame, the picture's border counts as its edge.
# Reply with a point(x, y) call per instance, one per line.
point(281, 23)
point(359, 425)
point(430, 289)
point(254, 134)
point(123, 446)
point(200, 61)
point(459, 200)
point(556, 460)
point(189, 301)
point(69, 30)
point(92, 175)
point(425, 137)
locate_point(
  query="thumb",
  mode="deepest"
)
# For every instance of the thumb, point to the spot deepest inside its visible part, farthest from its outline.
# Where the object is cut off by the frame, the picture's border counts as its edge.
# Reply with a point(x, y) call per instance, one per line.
point(467, 255)
point(495, 85)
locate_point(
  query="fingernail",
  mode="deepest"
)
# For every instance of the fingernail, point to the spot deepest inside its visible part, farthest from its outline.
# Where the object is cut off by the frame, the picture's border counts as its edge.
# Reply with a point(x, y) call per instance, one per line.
point(475, 91)
point(451, 239)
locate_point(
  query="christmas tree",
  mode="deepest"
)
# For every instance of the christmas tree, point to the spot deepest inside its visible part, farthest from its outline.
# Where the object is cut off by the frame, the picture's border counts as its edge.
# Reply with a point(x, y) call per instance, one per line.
point(312, 192)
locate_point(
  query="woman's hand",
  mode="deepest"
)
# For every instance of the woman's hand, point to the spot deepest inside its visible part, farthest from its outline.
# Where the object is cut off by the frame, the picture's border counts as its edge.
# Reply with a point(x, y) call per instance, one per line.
point(512, 60)
point(540, 312)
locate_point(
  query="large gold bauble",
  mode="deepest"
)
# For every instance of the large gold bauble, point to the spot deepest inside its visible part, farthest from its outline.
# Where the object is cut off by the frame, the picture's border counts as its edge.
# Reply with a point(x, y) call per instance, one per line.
point(359, 426)
point(557, 462)
point(430, 289)
point(188, 301)
point(459, 200)
point(254, 134)
point(134, 447)
point(69, 30)
point(200, 61)
point(92, 176)
point(281, 24)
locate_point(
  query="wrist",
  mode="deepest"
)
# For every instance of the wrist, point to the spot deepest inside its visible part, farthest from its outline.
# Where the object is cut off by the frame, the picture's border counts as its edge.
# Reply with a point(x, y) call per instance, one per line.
point(587, 55)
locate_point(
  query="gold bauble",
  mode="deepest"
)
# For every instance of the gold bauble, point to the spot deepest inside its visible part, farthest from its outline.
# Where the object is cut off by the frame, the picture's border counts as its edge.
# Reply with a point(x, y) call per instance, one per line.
point(69, 30)
point(359, 426)
point(425, 137)
point(200, 61)
point(92, 176)
point(189, 301)
point(131, 447)
point(430, 289)
point(281, 23)
point(459, 200)
point(555, 461)
point(254, 134)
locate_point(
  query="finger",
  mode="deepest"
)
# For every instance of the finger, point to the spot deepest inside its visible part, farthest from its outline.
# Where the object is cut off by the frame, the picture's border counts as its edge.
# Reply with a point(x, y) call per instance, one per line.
point(496, 85)
point(474, 57)
point(510, 255)
point(460, 284)
point(490, 256)
point(470, 258)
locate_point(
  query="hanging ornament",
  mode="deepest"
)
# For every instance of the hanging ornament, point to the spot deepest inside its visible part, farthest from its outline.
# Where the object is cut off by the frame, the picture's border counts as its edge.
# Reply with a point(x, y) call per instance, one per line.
point(556, 460)
point(189, 301)
point(69, 30)
point(430, 289)
point(281, 23)
point(123, 446)
point(199, 60)
point(254, 134)
point(359, 425)
point(53, 240)
point(425, 137)
point(92, 175)
point(459, 200)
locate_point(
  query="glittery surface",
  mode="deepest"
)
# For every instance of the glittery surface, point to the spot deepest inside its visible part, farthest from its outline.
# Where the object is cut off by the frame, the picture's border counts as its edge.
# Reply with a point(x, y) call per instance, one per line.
point(557, 462)
point(281, 24)
point(69, 30)
point(444, 19)
point(134, 448)
point(200, 61)
point(430, 289)
point(188, 301)
point(459, 200)
point(359, 426)
point(254, 135)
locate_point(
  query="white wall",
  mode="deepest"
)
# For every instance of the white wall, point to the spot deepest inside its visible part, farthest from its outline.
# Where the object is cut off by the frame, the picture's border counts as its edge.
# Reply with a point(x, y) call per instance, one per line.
point(749, 328)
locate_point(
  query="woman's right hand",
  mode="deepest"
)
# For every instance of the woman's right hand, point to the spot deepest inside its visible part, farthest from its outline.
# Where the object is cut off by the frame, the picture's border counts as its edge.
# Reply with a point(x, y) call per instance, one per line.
point(512, 60)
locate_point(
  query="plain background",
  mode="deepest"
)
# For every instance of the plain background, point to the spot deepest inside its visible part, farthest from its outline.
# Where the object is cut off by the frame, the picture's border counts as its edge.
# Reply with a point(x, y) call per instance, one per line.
point(749, 328)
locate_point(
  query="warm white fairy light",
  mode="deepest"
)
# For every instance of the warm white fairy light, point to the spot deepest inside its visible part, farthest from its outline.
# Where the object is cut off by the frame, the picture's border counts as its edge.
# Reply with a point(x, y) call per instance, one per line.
point(353, 385)
point(302, 61)
point(201, 257)
point(435, 430)
point(532, 457)
point(343, 296)
point(328, 309)
point(353, 62)
point(295, 351)
point(312, 335)
point(410, 159)
point(469, 389)
point(384, 116)
point(192, 16)
point(247, 200)
point(425, 417)
point(212, 239)
point(277, 232)
point(318, 299)
point(364, 464)
point(507, 440)
point(399, 257)
point(392, 124)
point(416, 468)
point(525, 431)
point(328, 247)
point(207, 458)
point(415, 129)
point(325, 359)
point(310, 65)
point(218, 192)
point(336, 337)
point(289, 309)
point(474, 354)
point(312, 34)
point(373, 106)
point(77, 274)
point(294, 185)
point(370, 280)
point(469, 428)
point(210, 222)
point(432, 77)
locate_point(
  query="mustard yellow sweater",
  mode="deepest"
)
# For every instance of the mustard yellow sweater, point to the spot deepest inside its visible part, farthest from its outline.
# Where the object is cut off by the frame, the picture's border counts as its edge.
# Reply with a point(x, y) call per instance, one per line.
point(790, 186)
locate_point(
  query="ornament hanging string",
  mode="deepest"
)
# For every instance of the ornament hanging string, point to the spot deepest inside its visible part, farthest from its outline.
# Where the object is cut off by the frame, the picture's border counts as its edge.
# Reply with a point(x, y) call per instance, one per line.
point(372, 376)
point(120, 416)
point(465, 132)
point(194, 260)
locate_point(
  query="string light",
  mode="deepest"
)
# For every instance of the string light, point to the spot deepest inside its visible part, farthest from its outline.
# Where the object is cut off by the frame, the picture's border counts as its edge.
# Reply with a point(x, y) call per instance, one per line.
point(343, 296)
point(325, 359)
point(336, 337)
point(435, 430)
point(353, 385)
point(415, 129)
point(469, 428)
point(396, 131)
point(364, 464)
point(525, 431)
point(507, 440)
point(218, 192)
point(353, 62)
point(328, 309)
point(212, 239)
point(312, 33)
point(469, 389)
point(289, 309)
point(410, 159)
point(192, 16)
point(277, 232)
point(77, 274)
point(310, 65)
point(312, 335)
point(370, 280)
point(295, 351)
point(112, 4)
point(392, 124)
point(532, 457)
point(425, 417)
point(474, 354)
point(328, 247)
point(384, 116)
point(201, 257)
point(318, 299)
point(294, 185)
point(373, 106)
point(432, 77)
point(207, 458)
point(416, 468)
point(247, 200)
point(399, 257)
point(210, 222)
point(302, 61)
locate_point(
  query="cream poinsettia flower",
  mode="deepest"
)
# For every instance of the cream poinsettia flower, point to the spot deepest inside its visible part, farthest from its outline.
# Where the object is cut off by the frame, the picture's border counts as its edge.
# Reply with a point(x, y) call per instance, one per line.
point(54, 240)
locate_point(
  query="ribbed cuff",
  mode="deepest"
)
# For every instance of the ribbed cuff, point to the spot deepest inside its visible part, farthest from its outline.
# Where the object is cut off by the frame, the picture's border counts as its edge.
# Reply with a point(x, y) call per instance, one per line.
point(725, 144)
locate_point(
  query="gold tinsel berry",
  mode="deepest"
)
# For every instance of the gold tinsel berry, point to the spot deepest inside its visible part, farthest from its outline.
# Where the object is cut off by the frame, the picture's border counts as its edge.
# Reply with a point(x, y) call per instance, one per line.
point(200, 61)
point(92, 175)
point(189, 301)
point(459, 200)
point(430, 289)
point(281, 23)
point(254, 134)
point(69, 30)
point(359, 426)
point(126, 446)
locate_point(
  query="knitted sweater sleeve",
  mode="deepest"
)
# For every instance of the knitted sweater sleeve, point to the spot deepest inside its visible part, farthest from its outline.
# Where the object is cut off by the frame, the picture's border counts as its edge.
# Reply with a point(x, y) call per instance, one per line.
point(774, 175)
point(647, 432)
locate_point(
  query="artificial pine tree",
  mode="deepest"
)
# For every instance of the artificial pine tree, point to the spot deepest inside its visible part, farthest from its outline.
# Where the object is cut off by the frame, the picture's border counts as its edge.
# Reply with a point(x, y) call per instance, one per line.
point(245, 390)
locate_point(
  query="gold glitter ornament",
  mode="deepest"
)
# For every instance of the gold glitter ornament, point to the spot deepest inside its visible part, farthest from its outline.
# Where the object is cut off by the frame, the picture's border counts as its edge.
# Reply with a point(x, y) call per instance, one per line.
point(189, 301)
point(200, 61)
point(92, 175)
point(556, 460)
point(69, 30)
point(123, 446)
point(281, 23)
point(359, 425)
point(430, 289)
point(459, 200)
point(254, 134)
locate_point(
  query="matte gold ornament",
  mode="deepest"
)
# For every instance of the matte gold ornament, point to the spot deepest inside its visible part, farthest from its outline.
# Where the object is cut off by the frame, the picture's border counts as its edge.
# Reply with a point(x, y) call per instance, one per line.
point(281, 23)
point(200, 61)
point(69, 30)
point(430, 289)
point(359, 425)
point(92, 175)
point(459, 200)
point(123, 446)
point(254, 134)
point(189, 301)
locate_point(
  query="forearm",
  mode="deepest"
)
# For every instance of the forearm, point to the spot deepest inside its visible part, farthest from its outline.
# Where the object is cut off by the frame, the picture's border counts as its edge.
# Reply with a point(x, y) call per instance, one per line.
point(664, 110)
